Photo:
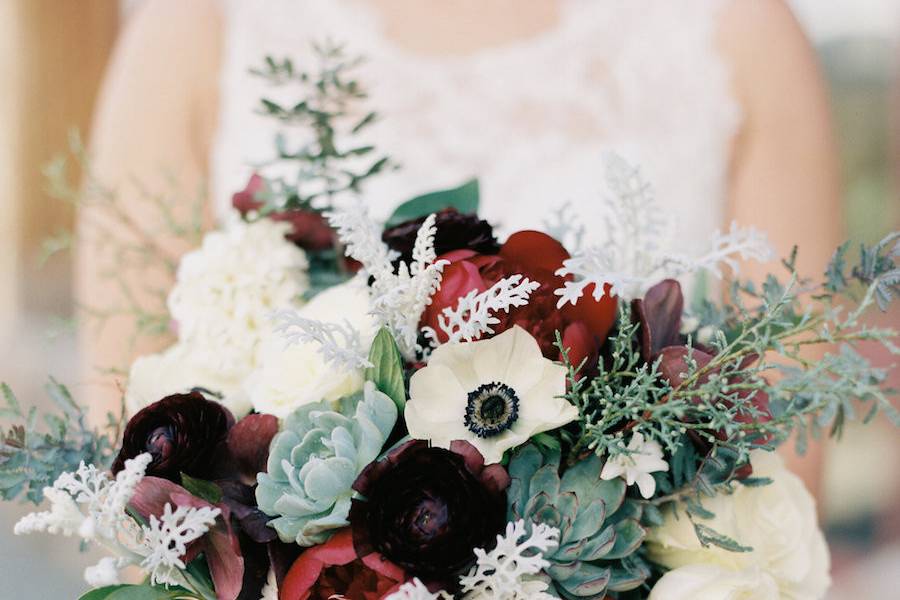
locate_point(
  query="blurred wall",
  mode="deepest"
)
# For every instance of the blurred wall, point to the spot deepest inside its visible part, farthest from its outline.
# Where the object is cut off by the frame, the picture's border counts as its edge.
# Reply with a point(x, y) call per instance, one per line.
point(52, 57)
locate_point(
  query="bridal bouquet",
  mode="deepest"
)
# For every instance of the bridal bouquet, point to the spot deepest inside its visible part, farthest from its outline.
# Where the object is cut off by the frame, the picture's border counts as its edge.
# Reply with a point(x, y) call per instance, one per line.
point(422, 410)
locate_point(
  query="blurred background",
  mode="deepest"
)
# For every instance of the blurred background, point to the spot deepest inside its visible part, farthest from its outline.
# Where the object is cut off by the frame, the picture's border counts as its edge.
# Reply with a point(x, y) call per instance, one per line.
point(52, 57)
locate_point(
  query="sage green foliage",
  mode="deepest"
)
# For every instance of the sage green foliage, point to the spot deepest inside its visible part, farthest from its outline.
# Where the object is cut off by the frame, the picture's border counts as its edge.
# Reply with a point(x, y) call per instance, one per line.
point(315, 459)
point(759, 346)
point(328, 111)
point(464, 199)
point(386, 371)
point(34, 452)
point(600, 528)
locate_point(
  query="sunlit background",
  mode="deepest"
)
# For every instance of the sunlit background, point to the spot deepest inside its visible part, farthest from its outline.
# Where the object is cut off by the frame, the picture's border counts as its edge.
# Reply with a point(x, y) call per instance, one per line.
point(52, 56)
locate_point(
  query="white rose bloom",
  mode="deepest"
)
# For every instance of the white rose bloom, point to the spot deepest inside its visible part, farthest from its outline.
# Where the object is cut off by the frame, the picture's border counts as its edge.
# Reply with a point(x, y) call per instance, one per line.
point(226, 290)
point(291, 375)
point(494, 393)
point(709, 582)
point(778, 521)
point(176, 371)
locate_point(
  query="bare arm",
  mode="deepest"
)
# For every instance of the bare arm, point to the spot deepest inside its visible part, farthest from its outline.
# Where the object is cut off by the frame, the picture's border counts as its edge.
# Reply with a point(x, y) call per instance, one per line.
point(153, 126)
point(784, 176)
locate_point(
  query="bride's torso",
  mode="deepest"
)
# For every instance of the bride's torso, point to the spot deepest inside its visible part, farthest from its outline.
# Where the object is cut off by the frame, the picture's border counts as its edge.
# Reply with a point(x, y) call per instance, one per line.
point(531, 119)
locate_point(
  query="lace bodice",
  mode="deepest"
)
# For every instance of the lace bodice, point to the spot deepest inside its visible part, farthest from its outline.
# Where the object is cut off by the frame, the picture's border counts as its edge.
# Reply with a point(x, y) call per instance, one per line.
point(531, 119)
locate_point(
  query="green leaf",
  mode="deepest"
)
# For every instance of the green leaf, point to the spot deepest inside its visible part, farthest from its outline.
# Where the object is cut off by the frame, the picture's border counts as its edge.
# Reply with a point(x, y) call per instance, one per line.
point(136, 592)
point(11, 399)
point(464, 198)
point(756, 481)
point(101, 593)
point(386, 371)
point(205, 490)
point(710, 537)
point(545, 440)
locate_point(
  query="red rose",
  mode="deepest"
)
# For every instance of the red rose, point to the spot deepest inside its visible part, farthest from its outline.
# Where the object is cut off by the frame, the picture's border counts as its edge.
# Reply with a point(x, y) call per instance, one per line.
point(309, 229)
point(334, 570)
point(537, 256)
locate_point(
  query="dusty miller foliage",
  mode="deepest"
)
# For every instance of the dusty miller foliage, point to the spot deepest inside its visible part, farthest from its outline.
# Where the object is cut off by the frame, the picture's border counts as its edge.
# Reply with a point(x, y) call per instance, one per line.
point(758, 346)
point(329, 119)
point(34, 452)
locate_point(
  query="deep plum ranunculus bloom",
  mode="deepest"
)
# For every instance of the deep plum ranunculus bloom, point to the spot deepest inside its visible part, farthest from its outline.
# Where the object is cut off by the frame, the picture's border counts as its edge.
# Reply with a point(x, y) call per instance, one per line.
point(426, 509)
point(454, 231)
point(537, 256)
point(309, 229)
point(335, 570)
point(185, 433)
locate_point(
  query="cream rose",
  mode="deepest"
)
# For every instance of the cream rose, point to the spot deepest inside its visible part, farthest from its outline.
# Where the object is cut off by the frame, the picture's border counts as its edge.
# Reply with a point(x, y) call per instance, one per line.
point(709, 582)
point(291, 375)
point(176, 371)
point(778, 521)
point(226, 290)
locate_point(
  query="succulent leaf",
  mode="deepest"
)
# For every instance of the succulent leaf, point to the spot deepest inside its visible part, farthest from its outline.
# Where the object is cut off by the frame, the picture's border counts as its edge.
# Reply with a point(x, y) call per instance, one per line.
point(599, 527)
point(315, 459)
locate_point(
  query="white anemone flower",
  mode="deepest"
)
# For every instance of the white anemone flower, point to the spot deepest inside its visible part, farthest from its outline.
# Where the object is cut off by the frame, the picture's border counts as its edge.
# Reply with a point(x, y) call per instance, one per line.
point(494, 394)
point(642, 459)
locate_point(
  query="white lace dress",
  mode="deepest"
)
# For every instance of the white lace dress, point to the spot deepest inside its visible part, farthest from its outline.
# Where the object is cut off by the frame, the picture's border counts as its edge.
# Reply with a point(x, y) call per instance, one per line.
point(530, 119)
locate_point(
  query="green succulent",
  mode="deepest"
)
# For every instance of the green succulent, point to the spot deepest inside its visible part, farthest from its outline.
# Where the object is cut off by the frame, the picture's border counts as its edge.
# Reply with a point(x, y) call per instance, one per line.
point(600, 528)
point(315, 459)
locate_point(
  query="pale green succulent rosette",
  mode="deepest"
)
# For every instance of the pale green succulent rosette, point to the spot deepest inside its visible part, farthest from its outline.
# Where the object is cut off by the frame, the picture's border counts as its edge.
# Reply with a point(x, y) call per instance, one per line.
point(315, 459)
point(600, 530)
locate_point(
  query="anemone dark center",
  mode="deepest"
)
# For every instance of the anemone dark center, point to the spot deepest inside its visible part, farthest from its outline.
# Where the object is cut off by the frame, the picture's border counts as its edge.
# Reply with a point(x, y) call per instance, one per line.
point(492, 409)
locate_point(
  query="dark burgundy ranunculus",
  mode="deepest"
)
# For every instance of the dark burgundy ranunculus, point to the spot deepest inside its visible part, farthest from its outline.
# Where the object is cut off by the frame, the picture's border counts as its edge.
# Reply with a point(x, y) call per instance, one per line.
point(536, 256)
point(309, 229)
point(455, 231)
point(185, 433)
point(426, 509)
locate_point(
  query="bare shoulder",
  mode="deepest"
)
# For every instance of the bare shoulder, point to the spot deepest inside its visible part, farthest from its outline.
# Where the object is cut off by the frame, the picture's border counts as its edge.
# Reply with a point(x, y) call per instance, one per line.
point(175, 20)
point(768, 49)
point(183, 34)
point(162, 83)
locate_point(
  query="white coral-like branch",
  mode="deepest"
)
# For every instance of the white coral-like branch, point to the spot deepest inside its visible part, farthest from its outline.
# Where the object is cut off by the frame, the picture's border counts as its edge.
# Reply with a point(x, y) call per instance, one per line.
point(361, 238)
point(87, 502)
point(89, 498)
point(508, 571)
point(596, 267)
point(474, 314)
point(398, 296)
point(166, 540)
point(416, 590)
point(744, 243)
point(633, 257)
point(339, 344)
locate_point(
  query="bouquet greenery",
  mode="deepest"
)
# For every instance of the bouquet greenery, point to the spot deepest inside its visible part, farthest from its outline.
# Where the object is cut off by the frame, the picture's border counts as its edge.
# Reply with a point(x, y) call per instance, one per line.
point(422, 410)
